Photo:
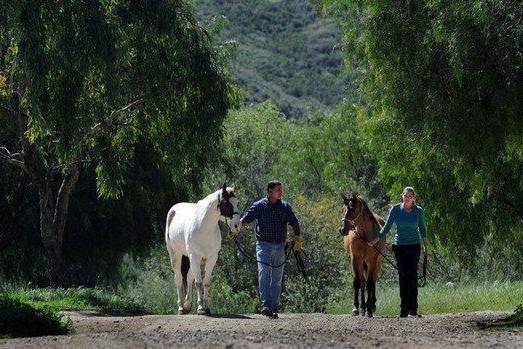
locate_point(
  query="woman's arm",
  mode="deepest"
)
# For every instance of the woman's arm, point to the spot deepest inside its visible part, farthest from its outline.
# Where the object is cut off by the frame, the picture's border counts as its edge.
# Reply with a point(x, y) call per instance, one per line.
point(422, 226)
point(388, 223)
point(386, 227)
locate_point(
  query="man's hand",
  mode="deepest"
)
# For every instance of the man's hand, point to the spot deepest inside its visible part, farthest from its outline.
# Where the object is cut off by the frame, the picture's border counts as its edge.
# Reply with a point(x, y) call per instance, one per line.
point(297, 243)
point(243, 224)
point(232, 235)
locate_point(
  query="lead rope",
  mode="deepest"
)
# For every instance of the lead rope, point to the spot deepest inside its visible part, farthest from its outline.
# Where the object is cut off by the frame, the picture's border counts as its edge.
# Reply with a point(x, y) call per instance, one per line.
point(297, 255)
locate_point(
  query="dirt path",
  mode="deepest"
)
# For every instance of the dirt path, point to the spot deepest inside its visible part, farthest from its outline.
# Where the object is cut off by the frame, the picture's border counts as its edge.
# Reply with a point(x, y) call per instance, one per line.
point(291, 330)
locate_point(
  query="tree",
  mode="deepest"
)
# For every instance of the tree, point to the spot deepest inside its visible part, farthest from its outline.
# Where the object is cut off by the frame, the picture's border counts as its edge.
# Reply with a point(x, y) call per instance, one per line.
point(443, 104)
point(83, 82)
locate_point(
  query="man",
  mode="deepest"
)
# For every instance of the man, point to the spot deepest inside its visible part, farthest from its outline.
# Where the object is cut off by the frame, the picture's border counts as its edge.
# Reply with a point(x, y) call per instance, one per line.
point(272, 215)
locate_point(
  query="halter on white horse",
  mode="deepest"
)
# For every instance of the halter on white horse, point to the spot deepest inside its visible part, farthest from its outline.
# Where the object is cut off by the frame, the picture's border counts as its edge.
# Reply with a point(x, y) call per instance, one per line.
point(192, 235)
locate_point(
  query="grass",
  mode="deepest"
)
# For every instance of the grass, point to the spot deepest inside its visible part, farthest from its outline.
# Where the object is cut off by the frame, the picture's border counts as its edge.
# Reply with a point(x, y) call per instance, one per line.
point(35, 312)
point(439, 298)
point(78, 298)
point(19, 319)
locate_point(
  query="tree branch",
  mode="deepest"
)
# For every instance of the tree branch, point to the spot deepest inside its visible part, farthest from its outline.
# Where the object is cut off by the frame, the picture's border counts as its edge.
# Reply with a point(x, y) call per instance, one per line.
point(98, 127)
point(127, 107)
point(10, 158)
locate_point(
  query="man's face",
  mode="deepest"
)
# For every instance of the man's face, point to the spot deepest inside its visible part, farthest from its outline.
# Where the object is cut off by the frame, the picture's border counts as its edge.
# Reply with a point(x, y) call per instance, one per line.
point(276, 193)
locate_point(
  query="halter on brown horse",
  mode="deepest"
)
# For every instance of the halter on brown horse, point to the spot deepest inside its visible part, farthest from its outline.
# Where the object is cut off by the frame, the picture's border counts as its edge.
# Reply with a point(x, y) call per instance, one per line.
point(360, 225)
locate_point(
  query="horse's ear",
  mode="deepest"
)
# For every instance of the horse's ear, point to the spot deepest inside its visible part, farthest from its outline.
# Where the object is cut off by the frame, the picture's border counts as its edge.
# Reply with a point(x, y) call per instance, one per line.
point(224, 190)
point(234, 188)
point(356, 194)
point(344, 198)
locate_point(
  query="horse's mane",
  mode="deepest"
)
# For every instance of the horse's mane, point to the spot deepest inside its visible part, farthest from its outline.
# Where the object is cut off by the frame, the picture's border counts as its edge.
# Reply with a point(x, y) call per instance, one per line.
point(212, 198)
point(369, 212)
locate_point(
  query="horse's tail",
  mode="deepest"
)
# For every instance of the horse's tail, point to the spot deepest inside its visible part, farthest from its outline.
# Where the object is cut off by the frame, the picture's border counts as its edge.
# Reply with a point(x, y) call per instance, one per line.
point(170, 217)
point(186, 264)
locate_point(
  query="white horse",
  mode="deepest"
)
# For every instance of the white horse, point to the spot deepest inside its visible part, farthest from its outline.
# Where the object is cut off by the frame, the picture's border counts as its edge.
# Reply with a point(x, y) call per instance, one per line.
point(193, 238)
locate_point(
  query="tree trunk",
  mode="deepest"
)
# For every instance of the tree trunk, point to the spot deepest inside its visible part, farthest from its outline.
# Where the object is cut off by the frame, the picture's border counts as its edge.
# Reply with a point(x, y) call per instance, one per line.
point(54, 205)
point(53, 216)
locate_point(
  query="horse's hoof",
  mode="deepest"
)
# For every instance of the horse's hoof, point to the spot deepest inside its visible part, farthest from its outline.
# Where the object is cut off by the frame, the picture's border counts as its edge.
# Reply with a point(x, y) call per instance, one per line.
point(201, 311)
point(369, 314)
point(183, 311)
point(355, 312)
point(207, 311)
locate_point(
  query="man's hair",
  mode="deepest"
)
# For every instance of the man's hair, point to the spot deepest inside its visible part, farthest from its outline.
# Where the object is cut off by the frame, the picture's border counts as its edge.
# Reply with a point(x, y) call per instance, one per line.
point(272, 184)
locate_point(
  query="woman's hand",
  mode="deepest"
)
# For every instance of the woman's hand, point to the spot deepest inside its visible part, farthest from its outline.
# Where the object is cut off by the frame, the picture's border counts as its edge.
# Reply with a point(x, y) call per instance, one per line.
point(373, 242)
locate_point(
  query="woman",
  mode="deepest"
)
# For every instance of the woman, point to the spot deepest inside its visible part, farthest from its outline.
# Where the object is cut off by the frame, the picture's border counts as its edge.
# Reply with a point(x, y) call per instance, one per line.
point(411, 230)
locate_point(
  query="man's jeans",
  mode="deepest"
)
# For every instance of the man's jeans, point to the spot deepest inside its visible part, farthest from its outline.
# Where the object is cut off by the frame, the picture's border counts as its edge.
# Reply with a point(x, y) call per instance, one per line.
point(269, 279)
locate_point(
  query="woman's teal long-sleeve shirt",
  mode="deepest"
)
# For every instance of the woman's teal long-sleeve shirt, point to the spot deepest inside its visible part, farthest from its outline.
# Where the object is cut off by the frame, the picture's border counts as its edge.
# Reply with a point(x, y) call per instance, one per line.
point(411, 226)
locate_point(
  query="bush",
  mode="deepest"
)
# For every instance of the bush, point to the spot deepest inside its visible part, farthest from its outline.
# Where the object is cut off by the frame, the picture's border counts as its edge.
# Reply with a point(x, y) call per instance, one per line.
point(19, 319)
point(77, 298)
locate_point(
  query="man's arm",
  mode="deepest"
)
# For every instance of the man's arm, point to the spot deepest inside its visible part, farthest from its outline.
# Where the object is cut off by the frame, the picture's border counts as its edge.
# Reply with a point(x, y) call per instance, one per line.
point(293, 221)
point(296, 228)
point(249, 216)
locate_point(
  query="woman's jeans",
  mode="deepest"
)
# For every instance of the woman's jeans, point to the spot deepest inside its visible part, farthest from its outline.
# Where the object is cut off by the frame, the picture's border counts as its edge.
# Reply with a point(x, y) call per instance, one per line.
point(407, 257)
point(270, 279)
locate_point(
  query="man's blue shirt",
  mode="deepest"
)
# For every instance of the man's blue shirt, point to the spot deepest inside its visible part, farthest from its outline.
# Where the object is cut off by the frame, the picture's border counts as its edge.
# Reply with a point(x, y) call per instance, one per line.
point(271, 219)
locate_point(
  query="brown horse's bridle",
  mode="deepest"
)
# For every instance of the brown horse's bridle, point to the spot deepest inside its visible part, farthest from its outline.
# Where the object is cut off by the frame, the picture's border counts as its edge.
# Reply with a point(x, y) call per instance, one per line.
point(353, 221)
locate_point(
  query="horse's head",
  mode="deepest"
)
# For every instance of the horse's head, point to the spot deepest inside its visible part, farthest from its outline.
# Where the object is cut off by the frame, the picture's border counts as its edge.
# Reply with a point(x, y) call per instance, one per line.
point(352, 208)
point(228, 205)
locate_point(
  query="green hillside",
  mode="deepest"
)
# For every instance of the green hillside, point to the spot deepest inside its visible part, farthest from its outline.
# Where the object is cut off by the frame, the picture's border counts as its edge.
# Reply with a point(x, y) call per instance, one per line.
point(286, 52)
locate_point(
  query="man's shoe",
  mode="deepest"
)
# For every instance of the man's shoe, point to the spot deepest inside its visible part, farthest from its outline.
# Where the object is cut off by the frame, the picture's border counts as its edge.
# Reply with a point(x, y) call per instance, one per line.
point(274, 316)
point(414, 314)
point(266, 312)
point(404, 314)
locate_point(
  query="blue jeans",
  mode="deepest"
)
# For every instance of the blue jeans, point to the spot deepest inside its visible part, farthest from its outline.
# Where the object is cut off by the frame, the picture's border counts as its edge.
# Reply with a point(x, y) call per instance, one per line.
point(269, 279)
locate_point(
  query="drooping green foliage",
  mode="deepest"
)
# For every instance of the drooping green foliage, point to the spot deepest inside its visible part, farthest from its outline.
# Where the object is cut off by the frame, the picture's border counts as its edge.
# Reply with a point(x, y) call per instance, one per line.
point(443, 110)
point(114, 94)
point(87, 61)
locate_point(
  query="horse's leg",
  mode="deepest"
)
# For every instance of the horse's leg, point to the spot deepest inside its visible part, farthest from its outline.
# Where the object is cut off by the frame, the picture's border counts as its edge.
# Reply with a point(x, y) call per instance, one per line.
point(176, 264)
point(187, 305)
point(356, 283)
point(375, 274)
point(197, 272)
point(209, 265)
point(371, 306)
point(363, 284)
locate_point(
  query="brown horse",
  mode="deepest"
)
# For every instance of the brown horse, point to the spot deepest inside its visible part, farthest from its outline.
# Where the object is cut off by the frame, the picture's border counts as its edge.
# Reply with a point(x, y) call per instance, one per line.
point(360, 225)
